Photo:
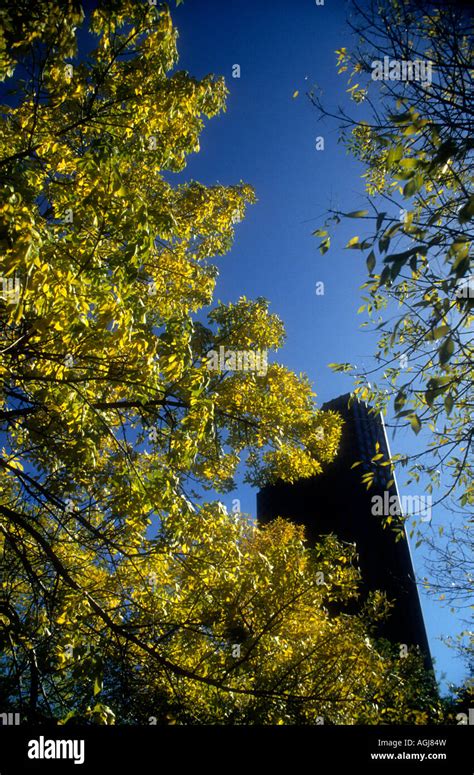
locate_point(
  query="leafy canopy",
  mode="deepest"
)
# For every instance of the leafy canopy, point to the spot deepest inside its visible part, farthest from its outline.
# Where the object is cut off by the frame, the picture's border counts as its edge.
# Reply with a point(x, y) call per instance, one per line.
point(127, 592)
point(415, 140)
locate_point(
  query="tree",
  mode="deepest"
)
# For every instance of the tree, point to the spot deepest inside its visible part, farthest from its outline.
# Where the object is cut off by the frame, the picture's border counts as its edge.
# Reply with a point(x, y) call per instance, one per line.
point(413, 64)
point(450, 565)
point(129, 592)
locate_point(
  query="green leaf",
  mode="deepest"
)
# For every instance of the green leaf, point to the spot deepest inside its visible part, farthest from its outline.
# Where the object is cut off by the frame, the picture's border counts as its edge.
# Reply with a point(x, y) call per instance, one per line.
point(97, 684)
point(400, 400)
point(445, 151)
point(325, 245)
point(415, 423)
point(448, 404)
point(385, 277)
point(340, 366)
point(410, 129)
point(357, 214)
point(396, 268)
point(393, 229)
point(400, 118)
point(460, 250)
point(353, 243)
point(467, 211)
point(440, 331)
point(407, 168)
point(430, 396)
point(371, 262)
point(394, 155)
point(408, 164)
point(397, 257)
point(461, 266)
point(413, 185)
point(446, 350)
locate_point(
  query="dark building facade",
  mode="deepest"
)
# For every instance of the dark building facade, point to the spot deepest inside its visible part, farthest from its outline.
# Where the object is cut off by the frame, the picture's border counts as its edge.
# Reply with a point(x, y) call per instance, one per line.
point(337, 502)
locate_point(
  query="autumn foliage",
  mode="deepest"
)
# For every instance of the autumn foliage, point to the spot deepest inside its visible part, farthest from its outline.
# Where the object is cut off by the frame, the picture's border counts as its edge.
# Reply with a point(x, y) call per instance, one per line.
point(130, 592)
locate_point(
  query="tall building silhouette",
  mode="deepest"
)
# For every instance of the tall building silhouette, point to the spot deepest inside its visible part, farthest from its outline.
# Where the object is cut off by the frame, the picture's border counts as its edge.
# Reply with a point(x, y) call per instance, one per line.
point(337, 502)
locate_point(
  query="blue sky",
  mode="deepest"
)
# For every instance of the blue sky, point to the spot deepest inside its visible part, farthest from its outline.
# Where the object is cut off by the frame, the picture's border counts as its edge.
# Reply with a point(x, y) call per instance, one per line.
point(268, 139)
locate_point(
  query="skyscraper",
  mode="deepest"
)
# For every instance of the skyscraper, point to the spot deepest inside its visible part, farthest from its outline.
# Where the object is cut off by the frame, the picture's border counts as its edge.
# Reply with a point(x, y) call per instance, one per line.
point(337, 502)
